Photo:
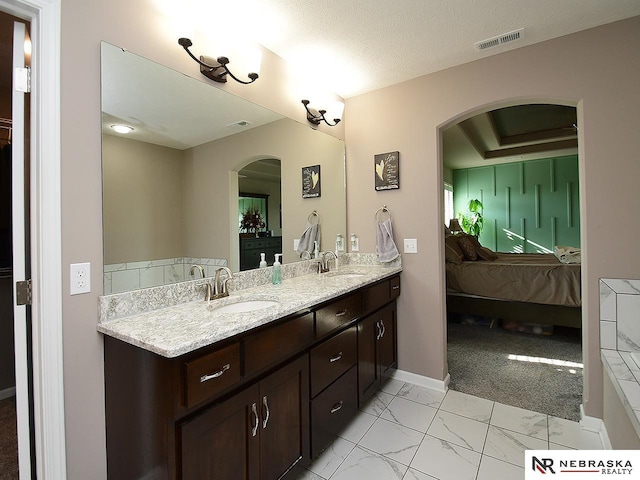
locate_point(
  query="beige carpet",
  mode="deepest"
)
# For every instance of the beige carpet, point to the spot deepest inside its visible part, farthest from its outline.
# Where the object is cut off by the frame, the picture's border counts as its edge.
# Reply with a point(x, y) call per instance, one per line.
point(8, 440)
point(543, 377)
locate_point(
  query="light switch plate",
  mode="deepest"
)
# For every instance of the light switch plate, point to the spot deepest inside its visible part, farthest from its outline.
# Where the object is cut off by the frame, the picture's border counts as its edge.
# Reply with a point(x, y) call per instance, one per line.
point(296, 242)
point(410, 245)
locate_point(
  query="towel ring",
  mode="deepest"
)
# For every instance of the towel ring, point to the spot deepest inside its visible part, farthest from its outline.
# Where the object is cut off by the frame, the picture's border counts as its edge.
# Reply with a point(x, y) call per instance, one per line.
point(383, 209)
point(312, 215)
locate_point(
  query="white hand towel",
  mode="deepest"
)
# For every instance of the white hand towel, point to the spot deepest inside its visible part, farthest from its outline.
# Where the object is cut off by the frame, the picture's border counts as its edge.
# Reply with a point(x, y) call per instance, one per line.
point(311, 234)
point(385, 246)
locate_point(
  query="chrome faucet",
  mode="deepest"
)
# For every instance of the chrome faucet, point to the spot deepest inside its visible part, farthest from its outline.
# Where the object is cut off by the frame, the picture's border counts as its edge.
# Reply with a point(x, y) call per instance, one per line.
point(193, 269)
point(220, 288)
point(323, 266)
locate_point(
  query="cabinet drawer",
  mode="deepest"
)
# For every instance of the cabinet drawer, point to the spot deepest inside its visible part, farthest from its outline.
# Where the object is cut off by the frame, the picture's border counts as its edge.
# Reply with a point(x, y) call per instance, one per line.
point(210, 374)
point(394, 284)
point(332, 410)
point(276, 343)
point(332, 358)
point(337, 313)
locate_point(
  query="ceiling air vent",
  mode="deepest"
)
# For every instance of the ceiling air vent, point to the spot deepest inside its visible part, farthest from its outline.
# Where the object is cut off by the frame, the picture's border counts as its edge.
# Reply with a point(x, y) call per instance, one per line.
point(239, 124)
point(500, 40)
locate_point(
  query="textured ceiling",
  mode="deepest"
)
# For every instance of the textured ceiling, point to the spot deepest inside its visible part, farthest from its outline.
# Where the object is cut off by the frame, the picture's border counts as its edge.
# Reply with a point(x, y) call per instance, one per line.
point(355, 46)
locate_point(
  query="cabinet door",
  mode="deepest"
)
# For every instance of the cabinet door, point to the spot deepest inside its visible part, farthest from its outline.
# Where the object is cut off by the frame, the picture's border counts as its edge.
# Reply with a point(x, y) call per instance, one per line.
point(387, 341)
point(368, 380)
point(284, 427)
point(222, 443)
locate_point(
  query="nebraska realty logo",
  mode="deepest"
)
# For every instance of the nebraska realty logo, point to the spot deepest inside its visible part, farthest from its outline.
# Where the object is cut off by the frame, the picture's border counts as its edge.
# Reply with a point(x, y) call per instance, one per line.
point(582, 464)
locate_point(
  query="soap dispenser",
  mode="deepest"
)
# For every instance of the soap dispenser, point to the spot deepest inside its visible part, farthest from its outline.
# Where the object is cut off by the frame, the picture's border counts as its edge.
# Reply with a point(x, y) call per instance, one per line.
point(276, 275)
point(316, 252)
point(263, 262)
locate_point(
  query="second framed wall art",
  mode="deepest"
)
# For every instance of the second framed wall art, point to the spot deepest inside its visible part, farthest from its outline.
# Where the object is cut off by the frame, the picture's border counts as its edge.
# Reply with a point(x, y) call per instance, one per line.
point(387, 171)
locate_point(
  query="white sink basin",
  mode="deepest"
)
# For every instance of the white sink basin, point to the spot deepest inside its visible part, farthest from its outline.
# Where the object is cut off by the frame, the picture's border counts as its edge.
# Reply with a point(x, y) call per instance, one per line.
point(346, 274)
point(245, 306)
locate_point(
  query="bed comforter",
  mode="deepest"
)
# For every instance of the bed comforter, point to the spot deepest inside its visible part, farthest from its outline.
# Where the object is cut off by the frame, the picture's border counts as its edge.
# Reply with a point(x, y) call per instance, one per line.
point(521, 277)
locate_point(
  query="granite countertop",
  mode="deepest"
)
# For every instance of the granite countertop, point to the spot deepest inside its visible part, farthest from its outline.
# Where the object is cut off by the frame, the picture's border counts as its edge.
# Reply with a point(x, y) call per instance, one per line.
point(175, 330)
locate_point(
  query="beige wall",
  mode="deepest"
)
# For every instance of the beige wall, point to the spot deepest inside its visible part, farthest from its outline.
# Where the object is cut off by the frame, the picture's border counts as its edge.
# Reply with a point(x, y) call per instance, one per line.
point(142, 200)
point(595, 70)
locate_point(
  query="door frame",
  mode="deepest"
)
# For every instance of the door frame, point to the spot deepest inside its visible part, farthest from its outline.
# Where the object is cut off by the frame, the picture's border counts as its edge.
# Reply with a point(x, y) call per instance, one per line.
point(46, 239)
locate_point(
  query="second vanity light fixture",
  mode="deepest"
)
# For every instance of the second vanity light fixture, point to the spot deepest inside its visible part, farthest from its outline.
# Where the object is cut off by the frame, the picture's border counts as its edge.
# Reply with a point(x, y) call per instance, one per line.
point(319, 117)
point(217, 73)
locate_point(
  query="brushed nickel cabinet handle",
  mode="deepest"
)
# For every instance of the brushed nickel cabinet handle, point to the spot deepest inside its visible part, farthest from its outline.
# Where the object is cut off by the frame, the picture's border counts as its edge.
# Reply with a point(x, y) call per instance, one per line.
point(395, 287)
point(254, 428)
point(336, 407)
point(378, 331)
point(335, 358)
point(384, 329)
point(205, 378)
point(341, 313)
point(266, 416)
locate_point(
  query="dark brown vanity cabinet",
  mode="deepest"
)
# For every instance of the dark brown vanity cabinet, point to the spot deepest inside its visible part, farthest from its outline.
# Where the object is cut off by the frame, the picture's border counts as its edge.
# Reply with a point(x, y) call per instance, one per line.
point(259, 433)
point(377, 350)
point(258, 406)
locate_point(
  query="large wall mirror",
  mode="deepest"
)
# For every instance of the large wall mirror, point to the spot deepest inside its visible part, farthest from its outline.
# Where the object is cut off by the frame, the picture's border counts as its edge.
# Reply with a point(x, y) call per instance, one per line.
point(172, 186)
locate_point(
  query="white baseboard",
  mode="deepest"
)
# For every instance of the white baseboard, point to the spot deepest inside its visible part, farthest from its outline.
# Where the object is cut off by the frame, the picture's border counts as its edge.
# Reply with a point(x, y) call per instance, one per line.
point(594, 424)
point(7, 393)
point(422, 381)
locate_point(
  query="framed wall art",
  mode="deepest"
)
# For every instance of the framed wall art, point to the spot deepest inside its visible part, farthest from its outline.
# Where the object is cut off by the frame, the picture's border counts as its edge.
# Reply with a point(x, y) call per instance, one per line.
point(387, 170)
point(311, 182)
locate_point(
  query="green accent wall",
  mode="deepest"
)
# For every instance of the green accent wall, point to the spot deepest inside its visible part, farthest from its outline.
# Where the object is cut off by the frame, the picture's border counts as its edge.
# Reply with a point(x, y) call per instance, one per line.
point(529, 207)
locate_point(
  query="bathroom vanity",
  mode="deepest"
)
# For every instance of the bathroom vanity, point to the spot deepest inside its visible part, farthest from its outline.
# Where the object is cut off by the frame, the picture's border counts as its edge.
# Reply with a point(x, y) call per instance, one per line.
point(257, 402)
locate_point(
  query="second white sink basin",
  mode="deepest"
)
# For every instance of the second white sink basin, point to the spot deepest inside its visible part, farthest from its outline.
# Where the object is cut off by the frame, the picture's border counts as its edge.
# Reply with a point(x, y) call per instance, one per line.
point(245, 306)
point(346, 274)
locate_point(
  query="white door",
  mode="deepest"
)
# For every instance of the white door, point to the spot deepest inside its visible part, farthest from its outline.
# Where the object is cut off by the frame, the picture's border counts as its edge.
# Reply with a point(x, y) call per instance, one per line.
point(20, 312)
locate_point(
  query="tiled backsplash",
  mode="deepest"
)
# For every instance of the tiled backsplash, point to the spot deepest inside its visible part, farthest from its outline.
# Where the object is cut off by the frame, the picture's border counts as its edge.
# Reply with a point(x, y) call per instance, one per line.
point(124, 277)
point(620, 314)
point(620, 341)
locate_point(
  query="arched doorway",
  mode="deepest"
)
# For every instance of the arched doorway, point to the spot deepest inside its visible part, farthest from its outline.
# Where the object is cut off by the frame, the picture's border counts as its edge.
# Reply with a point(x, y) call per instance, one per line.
point(519, 161)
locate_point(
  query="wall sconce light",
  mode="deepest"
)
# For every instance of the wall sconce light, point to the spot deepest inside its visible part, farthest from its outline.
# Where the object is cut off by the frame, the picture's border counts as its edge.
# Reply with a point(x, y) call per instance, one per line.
point(217, 73)
point(319, 117)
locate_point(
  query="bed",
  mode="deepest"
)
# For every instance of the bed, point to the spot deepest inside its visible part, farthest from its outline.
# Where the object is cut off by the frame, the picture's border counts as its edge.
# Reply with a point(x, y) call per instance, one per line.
point(529, 288)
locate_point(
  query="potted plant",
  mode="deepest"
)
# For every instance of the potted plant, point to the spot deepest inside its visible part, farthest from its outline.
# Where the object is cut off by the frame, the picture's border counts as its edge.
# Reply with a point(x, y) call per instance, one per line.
point(473, 221)
point(252, 220)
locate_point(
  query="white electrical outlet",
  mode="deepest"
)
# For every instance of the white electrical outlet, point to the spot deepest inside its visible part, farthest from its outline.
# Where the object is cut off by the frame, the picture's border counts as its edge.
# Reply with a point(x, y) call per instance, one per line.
point(410, 245)
point(80, 274)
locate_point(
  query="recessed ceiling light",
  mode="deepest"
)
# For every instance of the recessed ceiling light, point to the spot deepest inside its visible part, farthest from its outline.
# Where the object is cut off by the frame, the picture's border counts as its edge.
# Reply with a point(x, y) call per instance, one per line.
point(124, 129)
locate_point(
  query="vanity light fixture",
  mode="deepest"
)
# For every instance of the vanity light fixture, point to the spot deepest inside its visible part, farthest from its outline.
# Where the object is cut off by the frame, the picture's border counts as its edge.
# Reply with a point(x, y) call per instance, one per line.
point(217, 73)
point(123, 129)
point(316, 119)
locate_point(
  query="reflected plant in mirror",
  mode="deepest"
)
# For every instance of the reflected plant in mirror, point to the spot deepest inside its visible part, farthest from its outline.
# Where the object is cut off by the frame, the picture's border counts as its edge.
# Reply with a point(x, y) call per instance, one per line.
point(171, 186)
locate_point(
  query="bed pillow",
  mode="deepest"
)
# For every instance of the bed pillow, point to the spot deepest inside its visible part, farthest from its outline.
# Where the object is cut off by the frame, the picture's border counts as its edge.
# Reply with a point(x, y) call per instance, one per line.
point(468, 247)
point(452, 251)
point(485, 253)
point(474, 240)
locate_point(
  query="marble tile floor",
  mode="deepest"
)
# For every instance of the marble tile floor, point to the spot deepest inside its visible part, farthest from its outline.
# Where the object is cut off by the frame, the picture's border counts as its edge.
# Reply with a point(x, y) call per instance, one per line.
point(409, 432)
